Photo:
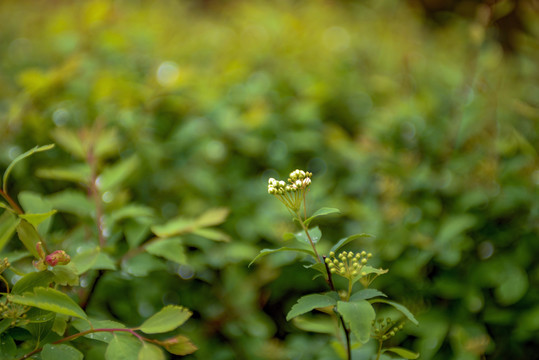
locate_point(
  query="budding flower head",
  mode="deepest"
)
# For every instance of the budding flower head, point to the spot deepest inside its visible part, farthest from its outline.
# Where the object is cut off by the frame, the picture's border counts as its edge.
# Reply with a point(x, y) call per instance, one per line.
point(291, 194)
point(58, 257)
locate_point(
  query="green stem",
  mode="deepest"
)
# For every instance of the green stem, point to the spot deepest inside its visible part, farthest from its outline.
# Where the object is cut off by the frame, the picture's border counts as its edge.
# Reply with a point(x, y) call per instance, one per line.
point(12, 203)
point(318, 258)
point(379, 350)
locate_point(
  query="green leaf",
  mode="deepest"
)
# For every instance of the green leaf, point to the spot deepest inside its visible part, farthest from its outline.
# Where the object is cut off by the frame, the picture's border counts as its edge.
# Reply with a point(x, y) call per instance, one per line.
point(315, 234)
point(212, 217)
point(7, 344)
point(150, 352)
point(104, 262)
point(407, 354)
point(66, 275)
point(40, 329)
point(167, 319)
point(83, 325)
point(60, 351)
point(34, 203)
point(5, 324)
point(72, 201)
point(308, 303)
point(265, 252)
point(70, 141)
point(180, 345)
point(319, 324)
point(84, 260)
point(321, 212)
point(60, 324)
point(122, 347)
point(176, 226)
point(343, 242)
point(170, 248)
point(21, 157)
point(397, 306)
point(77, 173)
point(8, 225)
point(131, 211)
point(358, 315)
point(36, 219)
point(28, 236)
point(113, 176)
point(32, 280)
point(49, 299)
point(142, 264)
point(370, 270)
point(212, 234)
point(366, 294)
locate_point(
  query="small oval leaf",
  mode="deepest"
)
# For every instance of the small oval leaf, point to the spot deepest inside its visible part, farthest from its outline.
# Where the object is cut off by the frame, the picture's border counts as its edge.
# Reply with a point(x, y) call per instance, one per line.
point(321, 212)
point(310, 302)
point(167, 319)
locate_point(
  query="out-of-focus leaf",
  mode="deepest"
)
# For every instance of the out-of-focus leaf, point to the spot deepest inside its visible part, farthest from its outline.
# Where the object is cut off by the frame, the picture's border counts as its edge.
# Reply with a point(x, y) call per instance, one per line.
point(212, 217)
point(84, 260)
point(308, 303)
point(131, 211)
point(36, 219)
point(72, 201)
point(212, 234)
point(265, 252)
point(104, 262)
point(358, 315)
point(34, 203)
point(66, 275)
point(70, 141)
point(366, 294)
point(142, 265)
point(49, 299)
point(176, 226)
point(314, 233)
point(116, 174)
point(8, 225)
point(345, 241)
point(321, 212)
point(19, 158)
point(318, 324)
point(513, 284)
point(167, 319)
point(170, 248)
point(78, 173)
point(405, 353)
point(150, 352)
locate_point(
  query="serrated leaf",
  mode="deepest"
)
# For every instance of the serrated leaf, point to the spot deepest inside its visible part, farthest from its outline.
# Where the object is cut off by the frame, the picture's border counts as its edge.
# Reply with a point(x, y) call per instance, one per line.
point(345, 241)
point(60, 351)
point(28, 236)
point(212, 217)
point(358, 316)
point(36, 219)
point(32, 280)
point(150, 352)
point(265, 252)
point(8, 225)
point(399, 307)
point(60, 324)
point(308, 303)
point(122, 347)
point(212, 234)
point(372, 270)
point(180, 345)
point(167, 319)
point(84, 260)
point(366, 294)
point(19, 158)
point(170, 248)
point(49, 299)
point(405, 353)
point(321, 212)
point(78, 173)
point(315, 234)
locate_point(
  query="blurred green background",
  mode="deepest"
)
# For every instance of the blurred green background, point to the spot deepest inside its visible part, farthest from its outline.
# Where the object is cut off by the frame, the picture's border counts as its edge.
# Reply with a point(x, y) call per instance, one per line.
point(418, 119)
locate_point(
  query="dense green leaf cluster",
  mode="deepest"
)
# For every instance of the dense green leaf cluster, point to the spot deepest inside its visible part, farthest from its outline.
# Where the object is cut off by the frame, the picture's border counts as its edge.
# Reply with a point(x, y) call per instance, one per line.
point(166, 113)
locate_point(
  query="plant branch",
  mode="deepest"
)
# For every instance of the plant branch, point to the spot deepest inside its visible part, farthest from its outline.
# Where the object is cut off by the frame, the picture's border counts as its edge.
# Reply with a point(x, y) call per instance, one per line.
point(11, 202)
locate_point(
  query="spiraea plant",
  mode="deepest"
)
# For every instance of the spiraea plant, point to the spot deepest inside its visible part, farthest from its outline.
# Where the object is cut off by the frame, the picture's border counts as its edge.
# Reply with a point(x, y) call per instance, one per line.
point(46, 284)
point(354, 308)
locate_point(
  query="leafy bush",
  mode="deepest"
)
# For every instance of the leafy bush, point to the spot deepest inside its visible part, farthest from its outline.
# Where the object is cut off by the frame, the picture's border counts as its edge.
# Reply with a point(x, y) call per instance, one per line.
point(425, 135)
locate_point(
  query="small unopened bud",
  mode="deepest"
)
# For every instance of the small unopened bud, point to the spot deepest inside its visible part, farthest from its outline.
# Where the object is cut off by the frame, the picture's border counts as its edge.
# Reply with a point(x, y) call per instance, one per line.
point(39, 265)
point(40, 251)
point(59, 257)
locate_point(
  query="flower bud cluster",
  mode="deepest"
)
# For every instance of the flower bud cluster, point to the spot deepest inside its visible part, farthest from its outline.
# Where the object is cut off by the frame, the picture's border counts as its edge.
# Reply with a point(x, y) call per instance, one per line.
point(291, 193)
point(385, 329)
point(347, 264)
